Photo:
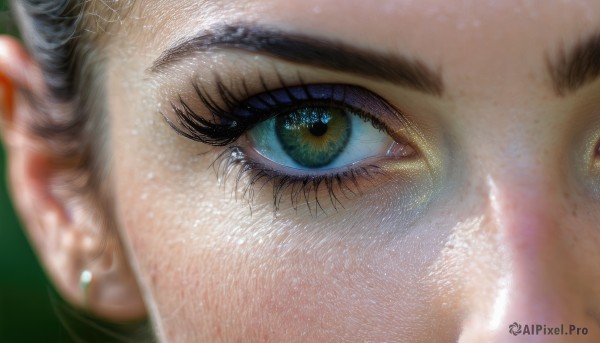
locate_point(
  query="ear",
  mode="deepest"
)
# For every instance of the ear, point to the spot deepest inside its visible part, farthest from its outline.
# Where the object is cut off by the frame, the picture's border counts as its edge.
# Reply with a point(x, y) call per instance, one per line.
point(80, 252)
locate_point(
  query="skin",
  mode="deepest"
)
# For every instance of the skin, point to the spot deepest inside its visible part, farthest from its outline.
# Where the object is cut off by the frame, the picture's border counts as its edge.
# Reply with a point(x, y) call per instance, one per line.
point(495, 221)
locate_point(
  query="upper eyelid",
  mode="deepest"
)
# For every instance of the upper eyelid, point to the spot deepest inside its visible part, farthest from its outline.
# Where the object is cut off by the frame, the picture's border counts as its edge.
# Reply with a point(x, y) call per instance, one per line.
point(224, 103)
point(309, 94)
point(353, 96)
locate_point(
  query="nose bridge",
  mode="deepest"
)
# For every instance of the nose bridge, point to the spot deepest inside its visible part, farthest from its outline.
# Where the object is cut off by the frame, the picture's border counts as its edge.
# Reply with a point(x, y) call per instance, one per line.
point(537, 288)
point(526, 208)
point(524, 191)
point(525, 203)
point(528, 217)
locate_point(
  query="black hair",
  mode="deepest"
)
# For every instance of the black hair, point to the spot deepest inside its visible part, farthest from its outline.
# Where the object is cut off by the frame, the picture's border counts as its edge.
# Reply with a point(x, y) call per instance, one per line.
point(55, 34)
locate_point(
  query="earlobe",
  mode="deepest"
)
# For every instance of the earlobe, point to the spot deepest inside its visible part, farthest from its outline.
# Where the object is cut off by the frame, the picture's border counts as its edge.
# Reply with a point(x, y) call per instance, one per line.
point(70, 232)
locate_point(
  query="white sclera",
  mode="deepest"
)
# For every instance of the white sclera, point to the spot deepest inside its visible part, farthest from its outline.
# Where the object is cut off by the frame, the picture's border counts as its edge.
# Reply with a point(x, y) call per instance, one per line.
point(365, 141)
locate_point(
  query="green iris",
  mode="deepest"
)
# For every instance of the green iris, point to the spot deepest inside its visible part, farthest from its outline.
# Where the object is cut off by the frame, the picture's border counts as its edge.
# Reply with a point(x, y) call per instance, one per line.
point(313, 136)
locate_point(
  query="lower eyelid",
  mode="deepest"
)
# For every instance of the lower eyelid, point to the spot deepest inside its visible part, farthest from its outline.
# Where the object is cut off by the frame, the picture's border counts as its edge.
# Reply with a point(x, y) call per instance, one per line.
point(397, 150)
point(245, 145)
point(253, 178)
point(321, 191)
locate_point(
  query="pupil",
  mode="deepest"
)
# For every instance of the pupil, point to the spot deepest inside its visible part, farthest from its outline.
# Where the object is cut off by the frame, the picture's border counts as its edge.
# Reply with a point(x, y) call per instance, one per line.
point(318, 129)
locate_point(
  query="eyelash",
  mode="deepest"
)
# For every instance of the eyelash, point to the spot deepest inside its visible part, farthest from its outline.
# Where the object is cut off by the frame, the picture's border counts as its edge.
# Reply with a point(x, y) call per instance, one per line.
point(225, 127)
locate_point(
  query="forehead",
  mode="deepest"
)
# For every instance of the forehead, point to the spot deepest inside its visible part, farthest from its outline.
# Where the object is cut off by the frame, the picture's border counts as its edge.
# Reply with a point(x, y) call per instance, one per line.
point(466, 40)
point(389, 24)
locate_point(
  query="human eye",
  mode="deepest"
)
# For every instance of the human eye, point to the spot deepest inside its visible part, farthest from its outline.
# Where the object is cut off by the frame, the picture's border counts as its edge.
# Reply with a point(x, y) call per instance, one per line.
point(307, 140)
point(320, 128)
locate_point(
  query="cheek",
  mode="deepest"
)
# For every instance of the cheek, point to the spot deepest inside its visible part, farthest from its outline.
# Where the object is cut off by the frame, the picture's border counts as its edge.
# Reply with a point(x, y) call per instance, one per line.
point(235, 290)
point(344, 290)
point(212, 273)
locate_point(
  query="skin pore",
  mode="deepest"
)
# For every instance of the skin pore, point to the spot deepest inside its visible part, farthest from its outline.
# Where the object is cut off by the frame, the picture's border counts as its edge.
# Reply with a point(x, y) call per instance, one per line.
point(492, 221)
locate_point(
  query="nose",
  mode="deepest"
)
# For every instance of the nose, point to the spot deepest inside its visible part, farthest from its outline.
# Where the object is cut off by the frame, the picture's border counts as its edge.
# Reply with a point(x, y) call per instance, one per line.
point(537, 295)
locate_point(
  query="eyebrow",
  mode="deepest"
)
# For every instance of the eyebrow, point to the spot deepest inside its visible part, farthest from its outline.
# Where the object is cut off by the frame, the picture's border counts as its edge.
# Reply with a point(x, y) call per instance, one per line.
point(577, 67)
point(307, 50)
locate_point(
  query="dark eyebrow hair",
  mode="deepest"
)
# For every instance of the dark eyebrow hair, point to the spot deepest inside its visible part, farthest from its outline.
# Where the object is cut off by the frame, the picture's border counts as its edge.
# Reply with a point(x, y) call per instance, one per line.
point(576, 67)
point(311, 51)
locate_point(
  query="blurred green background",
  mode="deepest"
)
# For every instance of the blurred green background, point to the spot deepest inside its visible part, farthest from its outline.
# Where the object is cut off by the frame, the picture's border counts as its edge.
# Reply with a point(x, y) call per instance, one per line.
point(26, 311)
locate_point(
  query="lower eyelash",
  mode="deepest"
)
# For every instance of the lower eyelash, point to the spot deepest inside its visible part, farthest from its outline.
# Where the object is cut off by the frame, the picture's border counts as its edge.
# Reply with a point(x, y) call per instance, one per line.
point(250, 177)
